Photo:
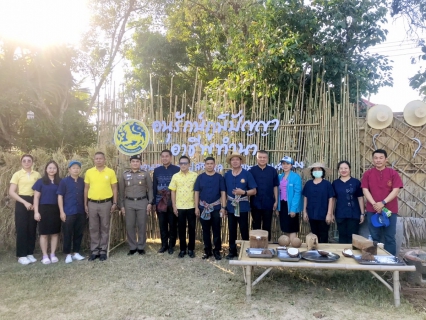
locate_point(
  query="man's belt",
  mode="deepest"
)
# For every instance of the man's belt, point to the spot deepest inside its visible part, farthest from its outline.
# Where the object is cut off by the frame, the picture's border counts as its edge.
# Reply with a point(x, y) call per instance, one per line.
point(236, 203)
point(208, 208)
point(100, 201)
point(135, 199)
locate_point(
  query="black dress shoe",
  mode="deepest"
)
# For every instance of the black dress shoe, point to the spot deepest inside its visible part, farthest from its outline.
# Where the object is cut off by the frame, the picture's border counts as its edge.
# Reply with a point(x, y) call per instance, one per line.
point(231, 255)
point(171, 250)
point(141, 252)
point(207, 255)
point(103, 257)
point(191, 253)
point(182, 254)
point(162, 250)
point(217, 255)
point(93, 257)
point(131, 252)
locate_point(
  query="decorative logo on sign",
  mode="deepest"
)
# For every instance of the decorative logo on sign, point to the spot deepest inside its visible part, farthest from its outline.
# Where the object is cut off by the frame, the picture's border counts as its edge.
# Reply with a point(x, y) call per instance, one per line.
point(131, 137)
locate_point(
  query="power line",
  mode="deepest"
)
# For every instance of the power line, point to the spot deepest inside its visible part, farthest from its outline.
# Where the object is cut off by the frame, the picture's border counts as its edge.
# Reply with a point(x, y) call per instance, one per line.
point(405, 54)
point(393, 50)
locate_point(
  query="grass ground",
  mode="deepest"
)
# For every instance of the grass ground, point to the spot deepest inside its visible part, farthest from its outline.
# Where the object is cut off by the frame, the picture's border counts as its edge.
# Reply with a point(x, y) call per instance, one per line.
point(161, 286)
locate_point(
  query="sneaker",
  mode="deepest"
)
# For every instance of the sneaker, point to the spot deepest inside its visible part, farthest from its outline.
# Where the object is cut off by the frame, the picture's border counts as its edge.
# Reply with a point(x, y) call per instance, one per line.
point(68, 259)
point(54, 258)
point(24, 260)
point(45, 261)
point(77, 257)
point(31, 258)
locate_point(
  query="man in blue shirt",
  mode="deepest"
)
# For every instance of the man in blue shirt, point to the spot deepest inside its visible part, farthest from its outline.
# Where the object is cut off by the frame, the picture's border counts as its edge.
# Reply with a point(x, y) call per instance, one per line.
point(239, 186)
point(210, 200)
point(71, 207)
point(265, 201)
point(162, 203)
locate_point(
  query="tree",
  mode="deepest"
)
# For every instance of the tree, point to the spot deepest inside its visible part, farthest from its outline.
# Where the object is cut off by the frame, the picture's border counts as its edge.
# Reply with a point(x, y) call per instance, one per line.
point(104, 43)
point(415, 12)
point(268, 46)
point(37, 80)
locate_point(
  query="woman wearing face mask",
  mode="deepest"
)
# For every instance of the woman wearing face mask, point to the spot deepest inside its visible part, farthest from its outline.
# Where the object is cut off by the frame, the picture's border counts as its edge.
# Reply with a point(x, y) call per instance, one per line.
point(21, 190)
point(46, 210)
point(318, 202)
point(349, 204)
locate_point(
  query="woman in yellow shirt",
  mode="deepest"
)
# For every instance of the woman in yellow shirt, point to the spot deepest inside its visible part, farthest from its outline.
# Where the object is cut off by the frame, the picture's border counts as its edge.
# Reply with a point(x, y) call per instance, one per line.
point(21, 190)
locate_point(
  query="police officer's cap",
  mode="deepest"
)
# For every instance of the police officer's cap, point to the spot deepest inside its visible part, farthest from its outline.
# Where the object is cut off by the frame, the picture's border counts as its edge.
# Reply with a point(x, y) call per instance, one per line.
point(136, 157)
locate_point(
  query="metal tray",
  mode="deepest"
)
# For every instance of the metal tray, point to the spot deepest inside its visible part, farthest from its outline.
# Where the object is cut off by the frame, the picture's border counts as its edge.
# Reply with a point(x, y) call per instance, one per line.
point(283, 256)
point(313, 255)
point(381, 260)
point(257, 253)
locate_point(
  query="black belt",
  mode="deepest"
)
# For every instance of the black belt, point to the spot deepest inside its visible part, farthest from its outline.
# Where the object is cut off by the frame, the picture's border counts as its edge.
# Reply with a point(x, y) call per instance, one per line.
point(134, 199)
point(100, 201)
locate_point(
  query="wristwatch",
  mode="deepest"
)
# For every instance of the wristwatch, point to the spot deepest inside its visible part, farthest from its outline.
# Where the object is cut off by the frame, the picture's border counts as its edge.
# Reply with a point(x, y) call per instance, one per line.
point(245, 193)
point(363, 214)
point(384, 202)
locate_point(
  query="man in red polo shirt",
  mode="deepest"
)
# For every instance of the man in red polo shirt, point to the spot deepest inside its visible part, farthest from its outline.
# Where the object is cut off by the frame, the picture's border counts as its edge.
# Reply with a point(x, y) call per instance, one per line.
point(381, 188)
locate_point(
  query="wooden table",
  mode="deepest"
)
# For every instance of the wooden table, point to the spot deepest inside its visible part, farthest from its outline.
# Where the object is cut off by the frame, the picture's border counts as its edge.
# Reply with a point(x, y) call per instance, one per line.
point(343, 263)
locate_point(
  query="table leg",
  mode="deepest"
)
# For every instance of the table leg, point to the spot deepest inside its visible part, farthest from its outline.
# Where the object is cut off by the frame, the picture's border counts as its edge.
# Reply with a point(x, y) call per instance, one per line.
point(248, 280)
point(396, 288)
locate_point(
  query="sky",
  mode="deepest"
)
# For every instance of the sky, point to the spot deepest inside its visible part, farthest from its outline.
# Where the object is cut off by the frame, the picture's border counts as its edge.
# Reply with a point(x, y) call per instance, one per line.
point(45, 22)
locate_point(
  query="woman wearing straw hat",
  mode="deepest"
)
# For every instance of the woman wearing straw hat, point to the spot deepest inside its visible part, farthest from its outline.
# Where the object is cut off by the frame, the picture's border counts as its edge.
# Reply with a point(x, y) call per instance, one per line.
point(21, 191)
point(349, 204)
point(318, 201)
point(290, 199)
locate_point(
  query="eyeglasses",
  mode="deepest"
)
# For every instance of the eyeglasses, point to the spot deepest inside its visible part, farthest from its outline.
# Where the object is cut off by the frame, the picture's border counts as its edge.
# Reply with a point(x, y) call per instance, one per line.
point(183, 163)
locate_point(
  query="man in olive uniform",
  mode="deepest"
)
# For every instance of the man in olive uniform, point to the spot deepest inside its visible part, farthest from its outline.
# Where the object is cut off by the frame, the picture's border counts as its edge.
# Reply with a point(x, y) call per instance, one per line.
point(136, 195)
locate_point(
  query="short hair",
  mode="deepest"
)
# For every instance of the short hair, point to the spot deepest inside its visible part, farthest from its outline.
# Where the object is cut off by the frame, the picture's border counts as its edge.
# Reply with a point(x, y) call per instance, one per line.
point(323, 173)
point(27, 156)
point(184, 157)
point(380, 151)
point(209, 158)
point(167, 151)
point(100, 153)
point(343, 162)
point(262, 152)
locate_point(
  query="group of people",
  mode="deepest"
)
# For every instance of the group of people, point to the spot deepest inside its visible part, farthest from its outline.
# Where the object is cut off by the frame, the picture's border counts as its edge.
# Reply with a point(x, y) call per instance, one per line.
point(180, 196)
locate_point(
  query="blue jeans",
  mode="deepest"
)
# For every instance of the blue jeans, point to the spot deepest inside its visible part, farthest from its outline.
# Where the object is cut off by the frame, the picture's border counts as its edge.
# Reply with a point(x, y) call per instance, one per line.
point(389, 233)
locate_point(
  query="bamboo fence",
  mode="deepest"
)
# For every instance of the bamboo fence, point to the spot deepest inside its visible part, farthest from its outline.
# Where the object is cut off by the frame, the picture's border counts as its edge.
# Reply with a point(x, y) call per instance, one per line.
point(311, 129)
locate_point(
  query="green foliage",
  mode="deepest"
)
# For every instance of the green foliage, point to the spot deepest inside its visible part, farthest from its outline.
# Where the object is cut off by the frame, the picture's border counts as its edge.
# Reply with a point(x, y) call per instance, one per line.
point(268, 46)
point(40, 80)
point(415, 12)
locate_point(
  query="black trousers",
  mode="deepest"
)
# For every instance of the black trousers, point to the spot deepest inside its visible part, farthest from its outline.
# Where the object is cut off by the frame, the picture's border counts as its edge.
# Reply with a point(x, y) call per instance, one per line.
point(346, 228)
point(26, 229)
point(233, 222)
point(213, 224)
point(262, 219)
point(168, 227)
point(73, 229)
point(320, 229)
point(186, 215)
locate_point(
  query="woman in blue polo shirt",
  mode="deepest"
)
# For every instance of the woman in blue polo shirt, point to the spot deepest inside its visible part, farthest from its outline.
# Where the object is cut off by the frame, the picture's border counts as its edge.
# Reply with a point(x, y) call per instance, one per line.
point(318, 202)
point(46, 211)
point(290, 197)
point(349, 201)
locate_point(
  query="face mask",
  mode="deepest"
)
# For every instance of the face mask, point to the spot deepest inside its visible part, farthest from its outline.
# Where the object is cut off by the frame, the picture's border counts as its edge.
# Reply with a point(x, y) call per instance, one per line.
point(317, 174)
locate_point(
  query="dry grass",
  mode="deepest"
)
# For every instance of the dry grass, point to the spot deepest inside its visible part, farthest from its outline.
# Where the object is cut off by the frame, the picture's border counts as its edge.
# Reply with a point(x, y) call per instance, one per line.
point(157, 286)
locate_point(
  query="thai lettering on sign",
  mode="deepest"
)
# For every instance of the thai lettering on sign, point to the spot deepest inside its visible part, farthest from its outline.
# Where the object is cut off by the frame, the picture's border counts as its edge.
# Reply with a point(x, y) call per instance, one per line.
point(207, 129)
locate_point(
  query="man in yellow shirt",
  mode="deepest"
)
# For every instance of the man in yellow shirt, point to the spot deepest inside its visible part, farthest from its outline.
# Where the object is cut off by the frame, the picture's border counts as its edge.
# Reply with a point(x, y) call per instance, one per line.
point(182, 187)
point(100, 200)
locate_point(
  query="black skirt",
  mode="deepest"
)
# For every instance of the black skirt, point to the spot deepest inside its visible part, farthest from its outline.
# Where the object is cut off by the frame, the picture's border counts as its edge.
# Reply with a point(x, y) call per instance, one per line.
point(287, 223)
point(50, 222)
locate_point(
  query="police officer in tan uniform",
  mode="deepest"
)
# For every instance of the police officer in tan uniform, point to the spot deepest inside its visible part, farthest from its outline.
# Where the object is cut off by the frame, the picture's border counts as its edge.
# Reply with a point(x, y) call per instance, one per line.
point(136, 196)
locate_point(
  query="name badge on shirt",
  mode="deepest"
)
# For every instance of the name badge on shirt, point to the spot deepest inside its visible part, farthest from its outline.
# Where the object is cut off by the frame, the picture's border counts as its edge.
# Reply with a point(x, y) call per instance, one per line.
point(243, 181)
